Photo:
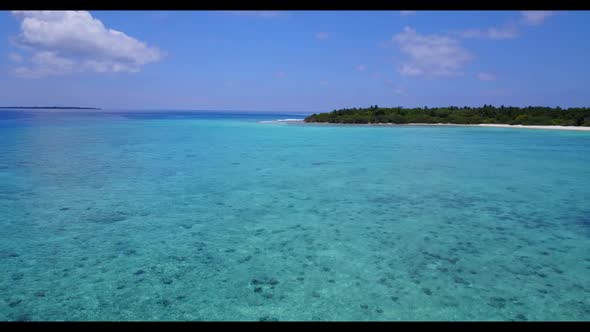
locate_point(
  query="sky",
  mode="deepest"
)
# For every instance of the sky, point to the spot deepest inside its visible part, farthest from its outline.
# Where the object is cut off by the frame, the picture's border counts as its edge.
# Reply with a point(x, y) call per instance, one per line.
point(293, 61)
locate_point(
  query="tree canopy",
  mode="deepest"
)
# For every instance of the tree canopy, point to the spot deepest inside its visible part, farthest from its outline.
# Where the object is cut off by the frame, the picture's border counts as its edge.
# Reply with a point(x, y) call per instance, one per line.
point(486, 114)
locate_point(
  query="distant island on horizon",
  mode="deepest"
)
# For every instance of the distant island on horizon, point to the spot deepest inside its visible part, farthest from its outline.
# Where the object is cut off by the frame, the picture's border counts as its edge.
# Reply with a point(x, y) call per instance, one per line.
point(50, 107)
point(487, 114)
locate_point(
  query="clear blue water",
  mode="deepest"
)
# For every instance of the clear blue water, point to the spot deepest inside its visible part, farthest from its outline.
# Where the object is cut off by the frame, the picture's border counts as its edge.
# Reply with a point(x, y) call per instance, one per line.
point(219, 217)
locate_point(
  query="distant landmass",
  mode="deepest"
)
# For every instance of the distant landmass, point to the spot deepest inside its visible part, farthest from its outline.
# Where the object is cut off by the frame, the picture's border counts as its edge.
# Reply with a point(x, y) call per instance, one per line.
point(50, 107)
point(487, 114)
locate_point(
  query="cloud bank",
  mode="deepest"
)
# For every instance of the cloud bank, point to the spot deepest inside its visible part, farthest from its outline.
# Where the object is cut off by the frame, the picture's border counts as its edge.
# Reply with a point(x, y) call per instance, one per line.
point(431, 55)
point(535, 17)
point(64, 42)
point(506, 32)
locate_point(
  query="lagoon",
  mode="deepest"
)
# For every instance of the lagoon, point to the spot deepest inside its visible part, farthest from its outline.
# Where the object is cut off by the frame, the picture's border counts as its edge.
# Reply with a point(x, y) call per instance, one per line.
point(217, 217)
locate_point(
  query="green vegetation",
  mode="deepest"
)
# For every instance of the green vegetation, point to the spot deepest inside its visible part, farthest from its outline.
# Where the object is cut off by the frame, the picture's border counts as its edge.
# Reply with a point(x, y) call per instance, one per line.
point(531, 115)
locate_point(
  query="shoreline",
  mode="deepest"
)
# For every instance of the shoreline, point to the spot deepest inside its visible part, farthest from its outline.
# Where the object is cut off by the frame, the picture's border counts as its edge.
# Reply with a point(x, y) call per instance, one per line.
point(494, 125)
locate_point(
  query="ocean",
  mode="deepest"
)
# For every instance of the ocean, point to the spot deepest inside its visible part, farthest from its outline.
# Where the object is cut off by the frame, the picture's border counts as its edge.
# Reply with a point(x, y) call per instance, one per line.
point(127, 216)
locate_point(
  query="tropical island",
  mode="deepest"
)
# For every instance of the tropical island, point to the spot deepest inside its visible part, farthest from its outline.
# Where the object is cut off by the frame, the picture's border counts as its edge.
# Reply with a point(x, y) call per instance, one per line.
point(487, 114)
point(50, 107)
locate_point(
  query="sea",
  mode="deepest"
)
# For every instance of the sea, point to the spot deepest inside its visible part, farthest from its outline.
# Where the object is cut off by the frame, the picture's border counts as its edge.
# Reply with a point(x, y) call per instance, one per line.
point(202, 216)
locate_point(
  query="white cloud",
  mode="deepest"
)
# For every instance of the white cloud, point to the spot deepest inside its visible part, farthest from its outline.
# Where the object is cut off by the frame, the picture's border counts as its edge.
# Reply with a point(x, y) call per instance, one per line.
point(407, 12)
point(64, 42)
point(535, 17)
point(505, 32)
point(46, 63)
point(509, 29)
point(361, 68)
point(259, 13)
point(431, 55)
point(322, 35)
point(15, 57)
point(486, 76)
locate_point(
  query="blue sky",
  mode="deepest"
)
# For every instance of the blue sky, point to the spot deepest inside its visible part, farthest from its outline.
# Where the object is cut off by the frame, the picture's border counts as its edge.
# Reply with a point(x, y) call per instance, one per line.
point(296, 61)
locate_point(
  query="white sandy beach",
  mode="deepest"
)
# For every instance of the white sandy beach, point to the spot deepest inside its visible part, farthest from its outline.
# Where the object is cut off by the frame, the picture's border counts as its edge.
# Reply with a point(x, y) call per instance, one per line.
point(504, 126)
point(537, 127)
point(575, 128)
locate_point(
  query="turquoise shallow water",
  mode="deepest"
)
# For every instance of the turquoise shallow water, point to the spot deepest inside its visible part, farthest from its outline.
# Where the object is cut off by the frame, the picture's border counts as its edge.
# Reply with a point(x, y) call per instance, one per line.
point(201, 217)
